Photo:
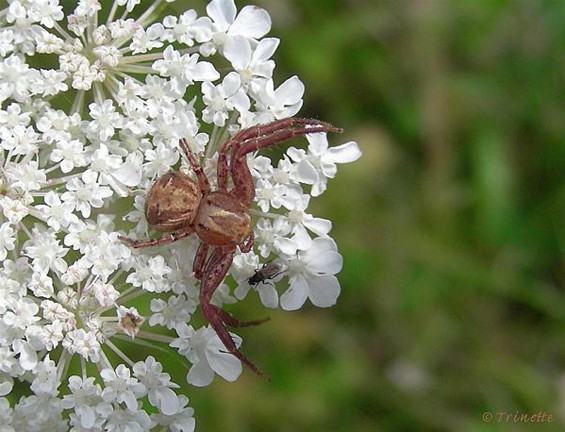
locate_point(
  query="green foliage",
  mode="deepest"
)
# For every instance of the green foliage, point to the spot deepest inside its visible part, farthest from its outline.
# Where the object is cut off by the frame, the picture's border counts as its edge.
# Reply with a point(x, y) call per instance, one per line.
point(451, 225)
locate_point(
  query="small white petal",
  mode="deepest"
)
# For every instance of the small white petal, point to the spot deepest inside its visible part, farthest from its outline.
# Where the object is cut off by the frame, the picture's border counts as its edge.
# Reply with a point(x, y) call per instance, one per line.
point(222, 12)
point(129, 174)
point(324, 290)
point(204, 71)
point(287, 246)
point(6, 385)
point(231, 83)
point(165, 399)
point(323, 257)
point(223, 363)
point(318, 226)
point(242, 290)
point(296, 295)
point(290, 91)
point(345, 153)
point(252, 22)
point(265, 49)
point(319, 188)
point(28, 356)
point(200, 374)
point(301, 238)
point(318, 143)
point(329, 170)
point(87, 415)
point(304, 172)
point(240, 101)
point(268, 295)
point(238, 51)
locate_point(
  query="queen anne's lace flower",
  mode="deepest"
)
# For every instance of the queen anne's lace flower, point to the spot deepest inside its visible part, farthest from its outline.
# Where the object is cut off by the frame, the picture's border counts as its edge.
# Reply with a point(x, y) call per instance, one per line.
point(93, 103)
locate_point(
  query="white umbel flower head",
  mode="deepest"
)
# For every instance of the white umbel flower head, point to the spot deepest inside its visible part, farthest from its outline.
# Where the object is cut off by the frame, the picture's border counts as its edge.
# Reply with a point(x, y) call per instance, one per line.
point(94, 98)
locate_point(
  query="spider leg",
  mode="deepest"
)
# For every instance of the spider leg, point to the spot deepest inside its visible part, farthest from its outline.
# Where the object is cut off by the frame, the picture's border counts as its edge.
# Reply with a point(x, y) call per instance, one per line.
point(223, 169)
point(200, 260)
point(286, 123)
point(262, 136)
point(231, 321)
point(196, 167)
point(214, 272)
point(258, 137)
point(137, 244)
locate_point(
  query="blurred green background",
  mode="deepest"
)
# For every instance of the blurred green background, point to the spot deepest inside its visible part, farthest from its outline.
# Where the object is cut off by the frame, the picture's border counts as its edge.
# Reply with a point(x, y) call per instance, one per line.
point(450, 225)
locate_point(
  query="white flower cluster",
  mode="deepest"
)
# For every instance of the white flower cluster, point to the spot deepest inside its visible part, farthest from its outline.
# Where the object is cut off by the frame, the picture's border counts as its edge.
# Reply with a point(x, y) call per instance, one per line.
point(93, 102)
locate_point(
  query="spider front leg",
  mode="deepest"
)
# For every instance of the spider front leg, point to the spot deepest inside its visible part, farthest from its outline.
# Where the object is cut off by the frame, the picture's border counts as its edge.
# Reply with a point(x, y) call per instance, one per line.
point(200, 260)
point(257, 137)
point(214, 272)
point(196, 167)
point(266, 135)
point(171, 238)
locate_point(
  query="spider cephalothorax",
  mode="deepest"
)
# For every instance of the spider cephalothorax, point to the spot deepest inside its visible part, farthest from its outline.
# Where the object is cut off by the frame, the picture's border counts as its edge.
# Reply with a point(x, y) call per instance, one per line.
point(220, 218)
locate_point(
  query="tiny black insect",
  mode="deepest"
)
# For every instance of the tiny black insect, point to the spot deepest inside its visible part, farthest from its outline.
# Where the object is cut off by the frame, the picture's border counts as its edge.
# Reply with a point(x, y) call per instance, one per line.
point(269, 271)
